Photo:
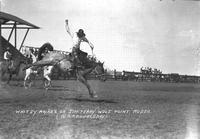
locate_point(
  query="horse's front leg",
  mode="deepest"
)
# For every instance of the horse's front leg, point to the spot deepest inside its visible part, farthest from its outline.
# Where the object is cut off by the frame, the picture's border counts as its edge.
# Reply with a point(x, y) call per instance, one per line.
point(82, 79)
point(47, 82)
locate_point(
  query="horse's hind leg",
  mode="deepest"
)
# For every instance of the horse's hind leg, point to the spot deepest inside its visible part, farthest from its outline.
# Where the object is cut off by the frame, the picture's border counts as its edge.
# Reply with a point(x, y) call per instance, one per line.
point(81, 78)
point(25, 81)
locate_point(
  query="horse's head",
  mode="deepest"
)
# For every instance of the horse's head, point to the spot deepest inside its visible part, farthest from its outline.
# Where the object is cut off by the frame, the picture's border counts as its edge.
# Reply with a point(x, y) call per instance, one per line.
point(99, 71)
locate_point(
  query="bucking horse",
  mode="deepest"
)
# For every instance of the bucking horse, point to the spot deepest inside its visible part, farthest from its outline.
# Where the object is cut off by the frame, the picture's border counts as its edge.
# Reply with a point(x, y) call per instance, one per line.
point(65, 63)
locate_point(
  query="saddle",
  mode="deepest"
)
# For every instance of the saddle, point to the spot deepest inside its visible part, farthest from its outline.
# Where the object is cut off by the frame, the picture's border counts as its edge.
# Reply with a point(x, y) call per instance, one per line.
point(82, 57)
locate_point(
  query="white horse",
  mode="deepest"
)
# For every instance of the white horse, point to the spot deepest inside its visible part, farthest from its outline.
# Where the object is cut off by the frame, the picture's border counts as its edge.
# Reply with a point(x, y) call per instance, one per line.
point(31, 72)
point(65, 63)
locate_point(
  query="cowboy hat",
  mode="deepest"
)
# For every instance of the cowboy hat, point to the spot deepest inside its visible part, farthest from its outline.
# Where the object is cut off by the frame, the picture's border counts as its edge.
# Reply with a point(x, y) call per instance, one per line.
point(80, 33)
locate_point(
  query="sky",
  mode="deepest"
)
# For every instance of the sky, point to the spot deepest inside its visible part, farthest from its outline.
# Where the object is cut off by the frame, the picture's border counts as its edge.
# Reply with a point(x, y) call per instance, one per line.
point(127, 34)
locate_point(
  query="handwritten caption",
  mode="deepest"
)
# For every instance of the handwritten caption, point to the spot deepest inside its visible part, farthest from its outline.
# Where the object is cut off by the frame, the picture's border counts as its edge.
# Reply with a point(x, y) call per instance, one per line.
point(83, 113)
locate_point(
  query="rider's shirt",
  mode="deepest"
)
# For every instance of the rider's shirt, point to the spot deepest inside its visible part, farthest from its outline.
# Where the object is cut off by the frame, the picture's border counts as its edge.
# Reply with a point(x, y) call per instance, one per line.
point(77, 41)
point(7, 55)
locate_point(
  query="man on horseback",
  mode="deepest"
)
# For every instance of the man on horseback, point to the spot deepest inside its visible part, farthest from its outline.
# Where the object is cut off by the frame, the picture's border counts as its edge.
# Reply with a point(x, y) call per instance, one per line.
point(77, 38)
point(8, 57)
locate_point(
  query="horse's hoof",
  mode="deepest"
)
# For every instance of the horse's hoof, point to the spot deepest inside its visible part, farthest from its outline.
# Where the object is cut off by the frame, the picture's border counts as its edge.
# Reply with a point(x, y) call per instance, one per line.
point(46, 89)
point(95, 96)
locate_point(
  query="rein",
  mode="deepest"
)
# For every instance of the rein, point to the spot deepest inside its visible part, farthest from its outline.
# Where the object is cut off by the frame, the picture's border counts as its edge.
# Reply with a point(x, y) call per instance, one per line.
point(58, 61)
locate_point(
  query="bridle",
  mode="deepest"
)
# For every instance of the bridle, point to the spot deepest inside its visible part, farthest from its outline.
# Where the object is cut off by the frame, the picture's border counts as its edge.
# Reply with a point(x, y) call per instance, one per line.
point(97, 74)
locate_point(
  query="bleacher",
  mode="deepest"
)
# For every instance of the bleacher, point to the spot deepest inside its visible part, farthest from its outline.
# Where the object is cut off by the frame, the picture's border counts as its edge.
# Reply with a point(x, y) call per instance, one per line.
point(15, 53)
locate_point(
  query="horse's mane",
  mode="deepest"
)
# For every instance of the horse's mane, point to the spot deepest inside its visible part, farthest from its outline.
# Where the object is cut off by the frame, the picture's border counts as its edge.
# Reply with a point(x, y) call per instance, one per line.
point(42, 49)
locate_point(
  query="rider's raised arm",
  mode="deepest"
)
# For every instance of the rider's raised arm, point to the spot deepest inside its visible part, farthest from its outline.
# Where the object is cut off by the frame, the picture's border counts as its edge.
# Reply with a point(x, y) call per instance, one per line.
point(68, 29)
point(86, 40)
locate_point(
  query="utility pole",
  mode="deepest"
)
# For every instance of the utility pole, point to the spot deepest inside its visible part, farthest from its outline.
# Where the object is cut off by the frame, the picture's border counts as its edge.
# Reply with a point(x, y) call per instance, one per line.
point(1, 49)
point(197, 61)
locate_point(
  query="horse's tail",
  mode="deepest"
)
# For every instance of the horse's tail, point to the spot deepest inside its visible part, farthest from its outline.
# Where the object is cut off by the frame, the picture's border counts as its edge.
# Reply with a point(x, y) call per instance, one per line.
point(42, 49)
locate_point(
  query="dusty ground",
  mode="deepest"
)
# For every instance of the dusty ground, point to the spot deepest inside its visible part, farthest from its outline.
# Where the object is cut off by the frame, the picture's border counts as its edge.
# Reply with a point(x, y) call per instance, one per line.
point(128, 110)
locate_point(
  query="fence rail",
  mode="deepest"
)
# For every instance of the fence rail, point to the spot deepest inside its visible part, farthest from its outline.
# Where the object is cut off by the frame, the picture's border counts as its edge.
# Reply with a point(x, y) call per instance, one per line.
point(138, 77)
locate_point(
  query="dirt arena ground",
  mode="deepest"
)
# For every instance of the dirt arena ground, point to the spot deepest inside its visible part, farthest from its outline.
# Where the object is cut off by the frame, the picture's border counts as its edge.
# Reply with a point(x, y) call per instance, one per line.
point(123, 110)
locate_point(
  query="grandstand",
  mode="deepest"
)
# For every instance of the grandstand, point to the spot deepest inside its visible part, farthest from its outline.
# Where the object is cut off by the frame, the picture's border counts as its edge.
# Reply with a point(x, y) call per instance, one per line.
point(25, 50)
point(151, 77)
point(14, 24)
point(13, 50)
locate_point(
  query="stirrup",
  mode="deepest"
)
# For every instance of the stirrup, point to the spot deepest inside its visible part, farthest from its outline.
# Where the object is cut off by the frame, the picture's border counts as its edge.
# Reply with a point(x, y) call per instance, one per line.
point(79, 66)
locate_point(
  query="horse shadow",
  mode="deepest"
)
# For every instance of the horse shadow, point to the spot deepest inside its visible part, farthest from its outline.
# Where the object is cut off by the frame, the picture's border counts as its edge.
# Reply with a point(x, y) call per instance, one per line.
point(54, 88)
point(94, 100)
point(59, 89)
point(15, 84)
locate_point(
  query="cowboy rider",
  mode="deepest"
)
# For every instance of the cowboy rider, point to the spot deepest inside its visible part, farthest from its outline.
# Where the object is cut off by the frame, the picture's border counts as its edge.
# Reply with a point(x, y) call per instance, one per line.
point(77, 38)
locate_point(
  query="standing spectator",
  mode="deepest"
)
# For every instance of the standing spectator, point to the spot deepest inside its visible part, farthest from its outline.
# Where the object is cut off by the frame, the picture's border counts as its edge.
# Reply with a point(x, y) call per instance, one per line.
point(8, 57)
